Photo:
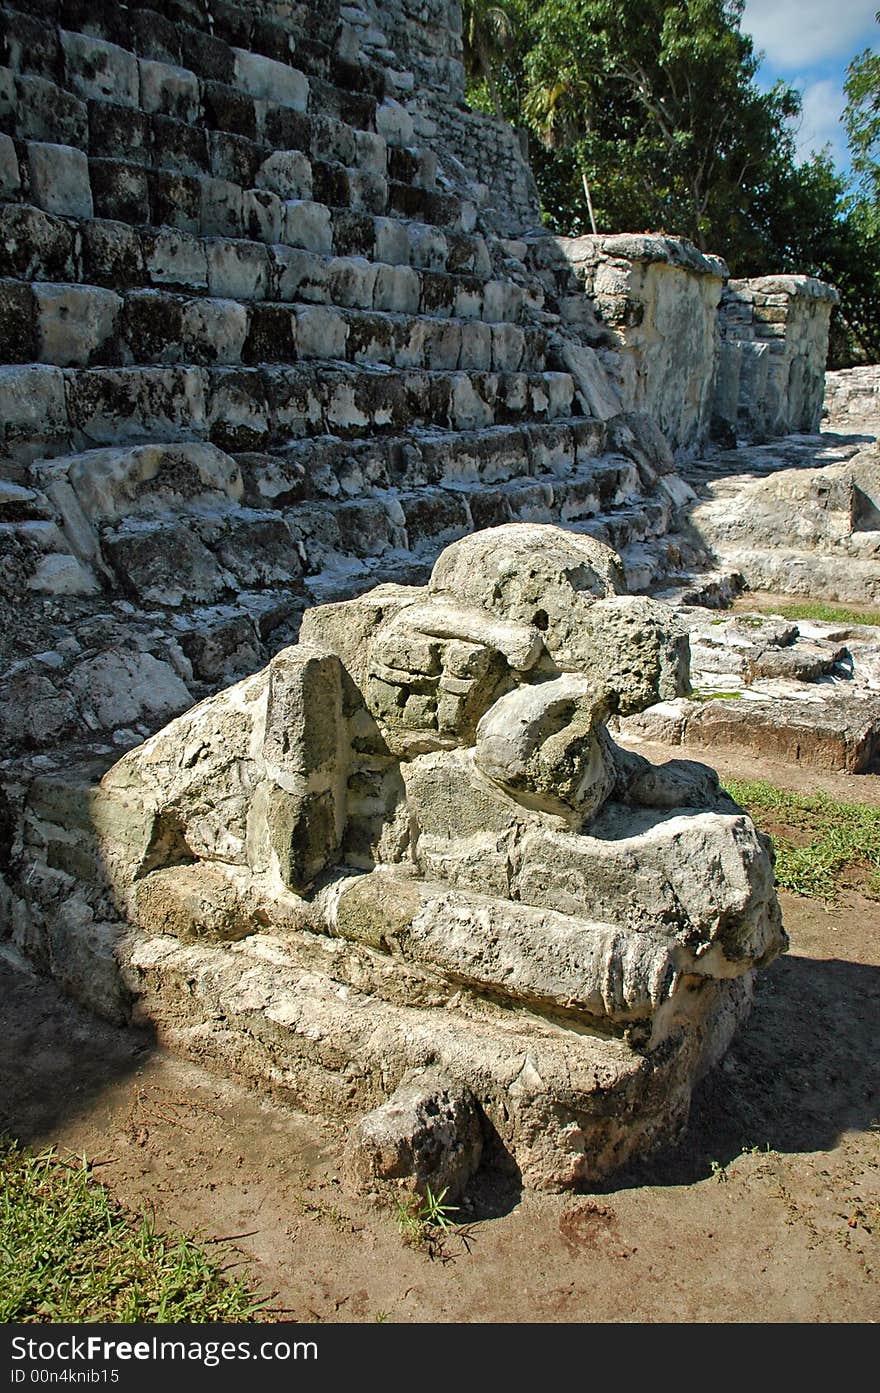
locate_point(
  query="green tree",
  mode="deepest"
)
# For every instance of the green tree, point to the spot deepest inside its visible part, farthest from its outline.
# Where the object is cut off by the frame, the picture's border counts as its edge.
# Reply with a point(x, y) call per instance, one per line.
point(489, 34)
point(862, 119)
point(656, 105)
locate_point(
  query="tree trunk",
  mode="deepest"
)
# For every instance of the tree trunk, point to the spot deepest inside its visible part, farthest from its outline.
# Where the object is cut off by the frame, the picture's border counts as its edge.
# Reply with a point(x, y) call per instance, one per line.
point(586, 184)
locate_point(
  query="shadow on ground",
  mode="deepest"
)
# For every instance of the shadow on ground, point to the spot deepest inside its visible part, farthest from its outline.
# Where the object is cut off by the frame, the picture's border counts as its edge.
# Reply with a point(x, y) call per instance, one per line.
point(56, 1059)
point(803, 1070)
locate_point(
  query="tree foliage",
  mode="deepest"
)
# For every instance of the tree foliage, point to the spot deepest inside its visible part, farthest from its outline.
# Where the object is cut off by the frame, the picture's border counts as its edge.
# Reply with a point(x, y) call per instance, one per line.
point(862, 119)
point(652, 114)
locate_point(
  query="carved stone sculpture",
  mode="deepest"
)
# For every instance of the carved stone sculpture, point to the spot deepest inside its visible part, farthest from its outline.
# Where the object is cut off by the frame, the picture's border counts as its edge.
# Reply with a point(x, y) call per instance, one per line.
point(408, 855)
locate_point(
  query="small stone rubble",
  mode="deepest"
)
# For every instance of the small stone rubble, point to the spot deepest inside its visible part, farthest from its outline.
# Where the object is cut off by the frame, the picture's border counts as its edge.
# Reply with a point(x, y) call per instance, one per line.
point(803, 691)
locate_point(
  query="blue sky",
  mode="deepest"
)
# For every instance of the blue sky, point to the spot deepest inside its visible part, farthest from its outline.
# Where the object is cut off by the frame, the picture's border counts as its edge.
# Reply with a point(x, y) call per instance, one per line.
point(809, 43)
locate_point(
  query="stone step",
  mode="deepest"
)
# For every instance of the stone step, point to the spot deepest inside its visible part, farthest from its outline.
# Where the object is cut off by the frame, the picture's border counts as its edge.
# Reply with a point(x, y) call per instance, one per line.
point(61, 179)
point(177, 524)
point(76, 325)
point(197, 129)
point(46, 410)
point(86, 41)
point(40, 246)
point(331, 467)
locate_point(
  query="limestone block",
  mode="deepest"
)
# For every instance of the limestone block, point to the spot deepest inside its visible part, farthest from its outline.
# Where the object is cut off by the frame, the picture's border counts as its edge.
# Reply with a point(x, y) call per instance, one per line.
point(36, 245)
point(706, 875)
point(286, 173)
point(114, 405)
point(532, 574)
point(333, 140)
point(307, 225)
point(237, 270)
point(238, 412)
point(427, 1135)
point(164, 564)
point(320, 333)
point(526, 954)
point(449, 618)
point(82, 954)
point(118, 688)
point(636, 649)
point(557, 388)
point(429, 247)
point(469, 410)
point(263, 781)
point(213, 330)
point(59, 179)
point(32, 406)
point(599, 393)
point(372, 339)
point(262, 215)
point(268, 80)
point(348, 628)
point(169, 90)
point(192, 781)
point(10, 180)
point(394, 123)
point(112, 254)
point(18, 339)
point(370, 152)
point(344, 410)
point(59, 573)
point(367, 192)
point(508, 347)
point(476, 346)
point(221, 208)
point(74, 322)
point(392, 242)
point(300, 275)
point(233, 157)
point(204, 901)
point(176, 259)
point(118, 482)
point(443, 344)
point(502, 301)
point(100, 71)
point(468, 303)
point(542, 744)
point(352, 281)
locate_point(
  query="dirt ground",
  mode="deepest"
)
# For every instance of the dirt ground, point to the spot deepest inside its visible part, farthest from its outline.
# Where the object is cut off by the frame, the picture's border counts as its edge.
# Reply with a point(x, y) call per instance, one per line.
point(768, 1212)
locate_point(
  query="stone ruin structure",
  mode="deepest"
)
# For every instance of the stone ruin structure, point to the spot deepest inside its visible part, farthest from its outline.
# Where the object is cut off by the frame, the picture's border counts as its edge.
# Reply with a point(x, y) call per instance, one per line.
point(280, 327)
point(407, 859)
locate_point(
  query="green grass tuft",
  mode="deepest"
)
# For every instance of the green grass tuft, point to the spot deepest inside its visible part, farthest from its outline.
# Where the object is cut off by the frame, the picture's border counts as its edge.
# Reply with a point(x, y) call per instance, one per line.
point(827, 837)
point(821, 610)
point(69, 1253)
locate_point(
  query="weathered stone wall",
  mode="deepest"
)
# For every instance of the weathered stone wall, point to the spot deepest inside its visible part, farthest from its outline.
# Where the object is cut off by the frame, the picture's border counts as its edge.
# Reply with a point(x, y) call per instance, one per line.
point(255, 349)
point(852, 397)
point(771, 368)
point(658, 299)
point(418, 45)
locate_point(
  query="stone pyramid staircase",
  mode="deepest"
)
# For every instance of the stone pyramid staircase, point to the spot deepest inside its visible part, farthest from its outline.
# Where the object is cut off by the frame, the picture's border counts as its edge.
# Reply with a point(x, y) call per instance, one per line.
point(256, 354)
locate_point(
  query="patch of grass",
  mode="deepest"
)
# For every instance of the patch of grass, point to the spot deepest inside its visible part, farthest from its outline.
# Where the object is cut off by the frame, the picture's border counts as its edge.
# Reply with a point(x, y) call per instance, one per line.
point(419, 1223)
point(69, 1253)
point(826, 613)
point(815, 836)
point(699, 694)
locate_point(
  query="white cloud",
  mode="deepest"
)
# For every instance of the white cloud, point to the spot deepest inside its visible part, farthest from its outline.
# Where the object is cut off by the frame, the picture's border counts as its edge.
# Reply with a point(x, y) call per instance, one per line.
point(819, 124)
point(800, 33)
